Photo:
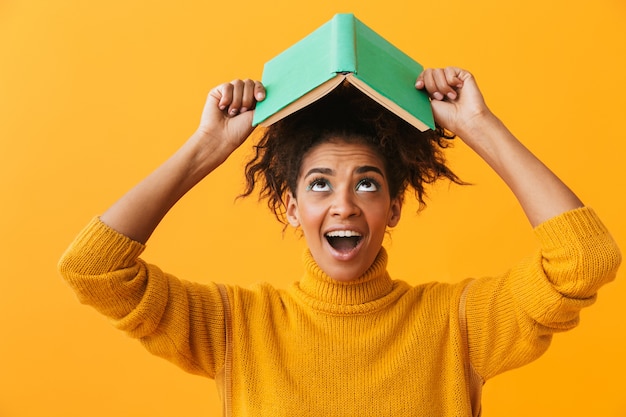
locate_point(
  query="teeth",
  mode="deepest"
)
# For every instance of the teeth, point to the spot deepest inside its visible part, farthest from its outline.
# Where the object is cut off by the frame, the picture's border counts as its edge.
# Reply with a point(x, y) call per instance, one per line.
point(343, 233)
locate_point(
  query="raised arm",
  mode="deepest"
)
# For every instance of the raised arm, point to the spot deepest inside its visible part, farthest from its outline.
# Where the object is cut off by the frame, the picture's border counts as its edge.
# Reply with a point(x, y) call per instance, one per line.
point(226, 123)
point(511, 317)
point(459, 107)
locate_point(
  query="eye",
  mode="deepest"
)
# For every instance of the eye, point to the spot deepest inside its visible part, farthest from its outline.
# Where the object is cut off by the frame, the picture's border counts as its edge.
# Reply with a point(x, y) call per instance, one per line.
point(319, 184)
point(367, 185)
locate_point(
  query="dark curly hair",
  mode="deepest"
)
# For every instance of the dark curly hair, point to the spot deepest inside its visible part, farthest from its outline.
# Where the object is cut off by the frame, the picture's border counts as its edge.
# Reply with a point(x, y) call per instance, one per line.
point(411, 158)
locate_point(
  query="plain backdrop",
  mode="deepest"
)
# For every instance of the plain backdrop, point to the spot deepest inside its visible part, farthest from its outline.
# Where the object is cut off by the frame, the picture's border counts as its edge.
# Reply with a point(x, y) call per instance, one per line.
point(95, 94)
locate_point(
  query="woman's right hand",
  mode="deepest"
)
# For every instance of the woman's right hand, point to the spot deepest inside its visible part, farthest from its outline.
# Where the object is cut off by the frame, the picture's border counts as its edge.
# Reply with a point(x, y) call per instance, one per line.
point(227, 114)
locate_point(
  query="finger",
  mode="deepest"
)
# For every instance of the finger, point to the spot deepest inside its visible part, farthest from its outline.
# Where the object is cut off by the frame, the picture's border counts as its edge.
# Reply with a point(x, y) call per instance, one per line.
point(453, 78)
point(248, 100)
point(419, 83)
point(235, 104)
point(259, 91)
point(429, 80)
point(443, 88)
point(224, 95)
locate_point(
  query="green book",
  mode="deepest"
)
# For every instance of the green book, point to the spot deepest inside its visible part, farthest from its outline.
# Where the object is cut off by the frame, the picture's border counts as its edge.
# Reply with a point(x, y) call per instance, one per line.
point(343, 49)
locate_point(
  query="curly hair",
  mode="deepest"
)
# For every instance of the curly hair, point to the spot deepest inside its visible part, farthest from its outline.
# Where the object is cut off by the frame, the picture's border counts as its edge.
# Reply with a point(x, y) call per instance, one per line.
point(411, 158)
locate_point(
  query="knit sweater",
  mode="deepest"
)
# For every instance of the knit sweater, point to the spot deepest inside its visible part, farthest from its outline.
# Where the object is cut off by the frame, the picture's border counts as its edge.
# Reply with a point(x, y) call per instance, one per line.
point(370, 347)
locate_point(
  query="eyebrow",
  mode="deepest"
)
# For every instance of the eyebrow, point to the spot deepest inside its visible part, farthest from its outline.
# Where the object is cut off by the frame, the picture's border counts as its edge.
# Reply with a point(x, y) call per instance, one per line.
point(369, 168)
point(360, 170)
point(325, 171)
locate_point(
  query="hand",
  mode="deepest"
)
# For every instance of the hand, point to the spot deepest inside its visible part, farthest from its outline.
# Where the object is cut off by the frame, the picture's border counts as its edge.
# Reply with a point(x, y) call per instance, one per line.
point(227, 114)
point(457, 102)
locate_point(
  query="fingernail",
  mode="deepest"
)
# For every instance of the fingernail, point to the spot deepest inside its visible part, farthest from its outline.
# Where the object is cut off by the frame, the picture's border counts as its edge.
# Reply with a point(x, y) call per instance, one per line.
point(437, 95)
point(233, 112)
point(451, 95)
point(243, 110)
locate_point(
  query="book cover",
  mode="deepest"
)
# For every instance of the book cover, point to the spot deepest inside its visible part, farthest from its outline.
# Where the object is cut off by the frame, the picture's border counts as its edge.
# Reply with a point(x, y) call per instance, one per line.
point(343, 48)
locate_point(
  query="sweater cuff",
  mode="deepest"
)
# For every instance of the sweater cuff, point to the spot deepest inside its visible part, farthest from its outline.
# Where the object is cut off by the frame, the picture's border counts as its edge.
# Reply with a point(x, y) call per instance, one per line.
point(581, 223)
point(579, 255)
point(99, 249)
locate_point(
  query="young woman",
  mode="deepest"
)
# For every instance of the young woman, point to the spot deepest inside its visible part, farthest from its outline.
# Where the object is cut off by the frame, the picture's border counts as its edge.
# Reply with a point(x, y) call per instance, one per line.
point(347, 339)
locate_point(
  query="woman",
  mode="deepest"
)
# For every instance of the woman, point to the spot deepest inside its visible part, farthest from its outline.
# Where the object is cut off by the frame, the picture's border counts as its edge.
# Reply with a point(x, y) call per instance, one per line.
point(346, 339)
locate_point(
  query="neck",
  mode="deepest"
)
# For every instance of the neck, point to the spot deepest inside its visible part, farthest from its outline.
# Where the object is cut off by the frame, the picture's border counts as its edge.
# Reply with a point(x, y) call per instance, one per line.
point(364, 293)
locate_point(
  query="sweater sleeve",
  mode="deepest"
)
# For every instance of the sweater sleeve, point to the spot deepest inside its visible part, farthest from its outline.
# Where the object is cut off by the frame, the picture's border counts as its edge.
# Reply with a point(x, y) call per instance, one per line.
point(177, 320)
point(511, 318)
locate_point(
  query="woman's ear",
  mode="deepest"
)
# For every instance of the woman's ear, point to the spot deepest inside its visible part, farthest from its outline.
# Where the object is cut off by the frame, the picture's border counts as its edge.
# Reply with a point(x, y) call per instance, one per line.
point(291, 210)
point(395, 212)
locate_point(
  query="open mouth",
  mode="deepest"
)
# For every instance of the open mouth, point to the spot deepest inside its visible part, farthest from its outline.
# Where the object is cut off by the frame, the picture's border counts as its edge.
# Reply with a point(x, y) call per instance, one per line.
point(343, 240)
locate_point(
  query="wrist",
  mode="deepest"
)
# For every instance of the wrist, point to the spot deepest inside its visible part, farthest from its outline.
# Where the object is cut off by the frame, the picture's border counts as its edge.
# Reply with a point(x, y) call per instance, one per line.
point(490, 139)
point(205, 152)
point(479, 126)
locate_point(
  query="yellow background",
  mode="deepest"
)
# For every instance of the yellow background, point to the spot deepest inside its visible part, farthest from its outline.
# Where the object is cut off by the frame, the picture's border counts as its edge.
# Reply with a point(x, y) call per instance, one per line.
point(94, 95)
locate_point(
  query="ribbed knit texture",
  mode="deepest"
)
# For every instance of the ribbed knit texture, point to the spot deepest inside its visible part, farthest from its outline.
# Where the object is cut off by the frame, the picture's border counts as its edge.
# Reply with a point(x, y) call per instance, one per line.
point(371, 347)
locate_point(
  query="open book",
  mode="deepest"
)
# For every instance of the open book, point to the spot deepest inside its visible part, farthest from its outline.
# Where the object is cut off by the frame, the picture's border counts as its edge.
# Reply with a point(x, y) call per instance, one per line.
point(343, 49)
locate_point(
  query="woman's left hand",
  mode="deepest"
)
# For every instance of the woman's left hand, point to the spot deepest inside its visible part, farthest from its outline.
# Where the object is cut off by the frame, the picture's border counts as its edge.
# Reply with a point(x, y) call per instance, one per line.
point(457, 102)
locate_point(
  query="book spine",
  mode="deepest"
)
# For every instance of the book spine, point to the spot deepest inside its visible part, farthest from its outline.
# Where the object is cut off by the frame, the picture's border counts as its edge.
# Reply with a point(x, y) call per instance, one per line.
point(343, 45)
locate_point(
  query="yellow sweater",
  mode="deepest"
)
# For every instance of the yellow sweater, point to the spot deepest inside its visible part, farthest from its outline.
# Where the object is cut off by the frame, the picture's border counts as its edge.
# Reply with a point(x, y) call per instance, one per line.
point(373, 347)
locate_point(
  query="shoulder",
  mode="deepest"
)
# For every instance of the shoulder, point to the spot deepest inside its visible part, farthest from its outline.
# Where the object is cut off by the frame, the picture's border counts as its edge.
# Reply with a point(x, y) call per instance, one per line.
point(436, 297)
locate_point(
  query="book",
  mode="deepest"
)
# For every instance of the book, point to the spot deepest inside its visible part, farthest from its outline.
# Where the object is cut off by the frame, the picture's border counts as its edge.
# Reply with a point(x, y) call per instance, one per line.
point(343, 48)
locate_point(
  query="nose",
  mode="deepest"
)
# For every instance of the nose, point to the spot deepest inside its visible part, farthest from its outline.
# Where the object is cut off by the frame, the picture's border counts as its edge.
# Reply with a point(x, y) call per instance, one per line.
point(344, 204)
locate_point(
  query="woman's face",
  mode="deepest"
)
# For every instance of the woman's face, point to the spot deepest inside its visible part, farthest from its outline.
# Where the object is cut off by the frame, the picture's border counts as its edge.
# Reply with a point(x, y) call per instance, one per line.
point(343, 207)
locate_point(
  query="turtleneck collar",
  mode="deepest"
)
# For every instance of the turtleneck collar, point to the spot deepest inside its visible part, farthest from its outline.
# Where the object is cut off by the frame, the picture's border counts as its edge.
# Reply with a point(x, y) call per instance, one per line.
point(373, 290)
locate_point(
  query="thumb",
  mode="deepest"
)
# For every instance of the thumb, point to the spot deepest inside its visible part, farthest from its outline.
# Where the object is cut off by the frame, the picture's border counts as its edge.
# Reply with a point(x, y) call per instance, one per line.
point(444, 114)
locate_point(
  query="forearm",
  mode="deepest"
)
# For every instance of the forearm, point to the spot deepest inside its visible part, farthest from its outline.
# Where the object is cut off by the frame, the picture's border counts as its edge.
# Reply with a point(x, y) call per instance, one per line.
point(140, 210)
point(225, 124)
point(539, 191)
point(459, 107)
